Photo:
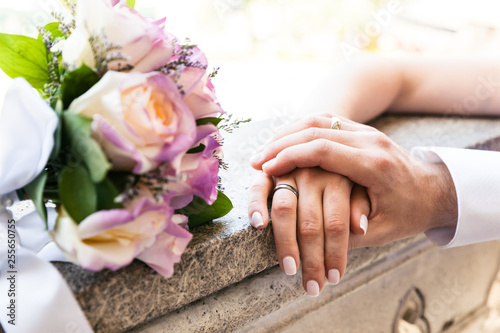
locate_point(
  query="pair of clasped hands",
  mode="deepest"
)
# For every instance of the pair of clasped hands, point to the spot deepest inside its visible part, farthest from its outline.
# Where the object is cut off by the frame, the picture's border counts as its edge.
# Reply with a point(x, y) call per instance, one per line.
point(355, 189)
point(355, 186)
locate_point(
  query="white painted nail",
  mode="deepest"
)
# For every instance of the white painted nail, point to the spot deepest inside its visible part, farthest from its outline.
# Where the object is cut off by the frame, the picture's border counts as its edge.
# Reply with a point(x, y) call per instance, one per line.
point(257, 158)
point(334, 276)
point(289, 266)
point(312, 288)
point(259, 149)
point(257, 220)
point(363, 223)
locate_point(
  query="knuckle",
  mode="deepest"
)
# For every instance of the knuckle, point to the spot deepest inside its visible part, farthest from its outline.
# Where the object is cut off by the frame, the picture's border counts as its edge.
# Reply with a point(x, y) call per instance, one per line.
point(309, 229)
point(283, 207)
point(326, 114)
point(335, 226)
point(383, 164)
point(311, 121)
point(322, 146)
point(284, 155)
point(312, 265)
point(382, 140)
point(306, 174)
point(311, 134)
point(253, 204)
point(285, 243)
point(336, 258)
point(339, 181)
point(258, 187)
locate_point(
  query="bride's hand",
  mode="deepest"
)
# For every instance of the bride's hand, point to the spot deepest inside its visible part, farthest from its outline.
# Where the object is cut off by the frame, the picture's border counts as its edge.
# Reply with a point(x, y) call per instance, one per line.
point(407, 195)
point(313, 228)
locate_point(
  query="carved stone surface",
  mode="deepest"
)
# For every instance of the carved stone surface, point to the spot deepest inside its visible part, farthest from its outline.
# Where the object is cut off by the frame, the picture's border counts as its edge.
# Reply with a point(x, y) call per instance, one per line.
point(227, 251)
point(447, 285)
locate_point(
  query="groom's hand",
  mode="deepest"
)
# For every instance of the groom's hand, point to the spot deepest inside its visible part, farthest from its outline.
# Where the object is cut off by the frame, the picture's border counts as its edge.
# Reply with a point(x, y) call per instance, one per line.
point(407, 195)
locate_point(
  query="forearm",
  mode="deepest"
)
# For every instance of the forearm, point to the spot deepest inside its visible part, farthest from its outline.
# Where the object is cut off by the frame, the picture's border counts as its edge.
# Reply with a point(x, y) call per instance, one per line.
point(368, 87)
point(361, 90)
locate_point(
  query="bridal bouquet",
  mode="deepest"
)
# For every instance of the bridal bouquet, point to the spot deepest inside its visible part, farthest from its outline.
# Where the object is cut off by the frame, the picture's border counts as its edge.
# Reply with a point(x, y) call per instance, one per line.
point(125, 132)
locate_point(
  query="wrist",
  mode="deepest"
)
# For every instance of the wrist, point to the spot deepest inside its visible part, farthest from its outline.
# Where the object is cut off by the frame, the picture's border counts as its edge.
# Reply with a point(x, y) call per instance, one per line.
point(443, 203)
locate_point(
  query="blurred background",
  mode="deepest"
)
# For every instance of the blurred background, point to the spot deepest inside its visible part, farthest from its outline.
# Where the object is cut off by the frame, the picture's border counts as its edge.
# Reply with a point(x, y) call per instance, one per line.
point(273, 52)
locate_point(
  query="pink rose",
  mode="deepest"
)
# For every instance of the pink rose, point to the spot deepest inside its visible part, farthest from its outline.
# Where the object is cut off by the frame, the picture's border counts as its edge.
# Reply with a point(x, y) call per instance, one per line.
point(139, 120)
point(169, 247)
point(113, 238)
point(145, 229)
point(200, 176)
point(198, 90)
point(142, 42)
point(202, 100)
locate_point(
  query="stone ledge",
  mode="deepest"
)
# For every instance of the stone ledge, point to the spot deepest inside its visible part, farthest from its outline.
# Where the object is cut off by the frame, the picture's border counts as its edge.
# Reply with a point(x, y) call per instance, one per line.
point(366, 301)
point(226, 251)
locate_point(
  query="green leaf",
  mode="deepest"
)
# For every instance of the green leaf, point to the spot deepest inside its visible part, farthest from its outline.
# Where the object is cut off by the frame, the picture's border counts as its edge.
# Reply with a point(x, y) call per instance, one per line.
point(199, 212)
point(26, 57)
point(106, 194)
point(197, 149)
point(35, 192)
point(131, 3)
point(53, 28)
point(211, 120)
point(77, 133)
point(77, 191)
point(76, 83)
point(58, 132)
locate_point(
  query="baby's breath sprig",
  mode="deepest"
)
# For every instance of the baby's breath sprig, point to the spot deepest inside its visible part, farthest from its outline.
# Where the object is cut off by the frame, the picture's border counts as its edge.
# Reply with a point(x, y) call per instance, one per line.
point(214, 72)
point(106, 52)
point(220, 187)
point(71, 6)
point(222, 165)
point(65, 26)
point(53, 64)
point(155, 180)
point(182, 60)
point(229, 124)
point(52, 87)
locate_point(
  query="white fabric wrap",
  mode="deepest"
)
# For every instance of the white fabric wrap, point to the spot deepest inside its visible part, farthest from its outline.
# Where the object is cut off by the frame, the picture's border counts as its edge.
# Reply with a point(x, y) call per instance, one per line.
point(476, 176)
point(42, 299)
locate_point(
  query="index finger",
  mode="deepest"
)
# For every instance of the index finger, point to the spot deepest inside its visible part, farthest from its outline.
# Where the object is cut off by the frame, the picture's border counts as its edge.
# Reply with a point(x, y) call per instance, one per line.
point(354, 163)
point(257, 200)
point(319, 121)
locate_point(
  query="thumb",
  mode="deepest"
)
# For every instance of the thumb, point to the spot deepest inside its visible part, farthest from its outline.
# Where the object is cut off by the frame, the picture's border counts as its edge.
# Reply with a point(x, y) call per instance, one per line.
point(360, 210)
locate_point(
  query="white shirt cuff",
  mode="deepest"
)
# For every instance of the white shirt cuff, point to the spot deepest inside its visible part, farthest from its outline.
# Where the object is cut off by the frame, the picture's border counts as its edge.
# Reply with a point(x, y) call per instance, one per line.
point(476, 175)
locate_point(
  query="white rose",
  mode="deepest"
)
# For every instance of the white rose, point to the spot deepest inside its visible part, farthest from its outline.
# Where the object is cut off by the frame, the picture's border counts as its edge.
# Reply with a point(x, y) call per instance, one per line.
point(142, 42)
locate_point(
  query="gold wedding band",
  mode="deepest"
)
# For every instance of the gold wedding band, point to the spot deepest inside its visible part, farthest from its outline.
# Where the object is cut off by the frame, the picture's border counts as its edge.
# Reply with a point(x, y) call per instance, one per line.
point(286, 187)
point(335, 124)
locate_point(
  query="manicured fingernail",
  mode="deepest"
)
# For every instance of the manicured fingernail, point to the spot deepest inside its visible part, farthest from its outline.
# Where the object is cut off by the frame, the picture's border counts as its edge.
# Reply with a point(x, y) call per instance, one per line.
point(312, 288)
point(268, 164)
point(363, 223)
point(259, 149)
point(257, 220)
point(289, 266)
point(257, 158)
point(334, 276)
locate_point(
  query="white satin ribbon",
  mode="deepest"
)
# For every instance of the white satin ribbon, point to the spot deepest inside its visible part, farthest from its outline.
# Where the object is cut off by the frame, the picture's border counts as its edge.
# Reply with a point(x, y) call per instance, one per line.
point(38, 299)
point(38, 296)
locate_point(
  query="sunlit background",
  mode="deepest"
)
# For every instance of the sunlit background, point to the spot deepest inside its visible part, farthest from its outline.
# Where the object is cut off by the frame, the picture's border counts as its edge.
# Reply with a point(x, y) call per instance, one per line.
point(272, 52)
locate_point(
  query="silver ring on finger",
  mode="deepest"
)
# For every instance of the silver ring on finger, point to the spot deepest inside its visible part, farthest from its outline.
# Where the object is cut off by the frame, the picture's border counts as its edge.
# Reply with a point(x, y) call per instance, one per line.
point(286, 187)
